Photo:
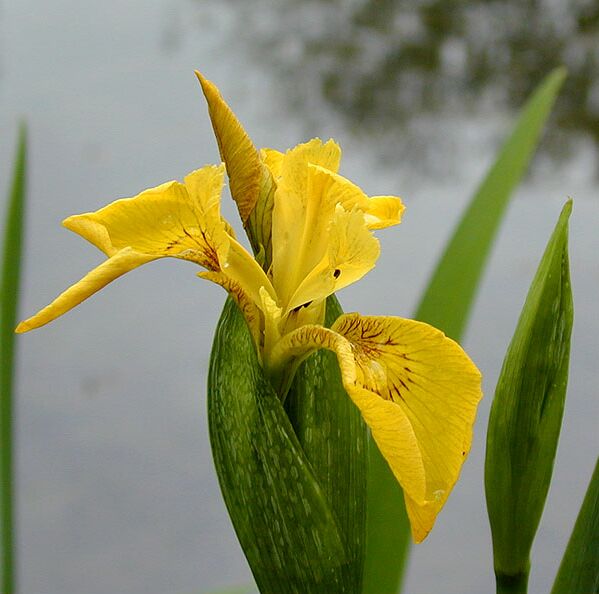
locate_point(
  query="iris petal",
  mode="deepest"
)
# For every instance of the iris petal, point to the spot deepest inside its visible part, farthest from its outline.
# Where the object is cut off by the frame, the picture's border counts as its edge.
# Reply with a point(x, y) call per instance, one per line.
point(416, 389)
point(122, 262)
point(171, 220)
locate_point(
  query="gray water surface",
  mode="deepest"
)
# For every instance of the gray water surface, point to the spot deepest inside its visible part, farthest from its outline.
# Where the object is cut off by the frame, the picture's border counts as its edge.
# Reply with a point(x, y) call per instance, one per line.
point(116, 488)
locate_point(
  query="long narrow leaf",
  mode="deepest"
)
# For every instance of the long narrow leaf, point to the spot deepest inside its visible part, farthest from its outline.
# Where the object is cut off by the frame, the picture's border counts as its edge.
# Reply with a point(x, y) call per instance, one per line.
point(579, 569)
point(446, 304)
point(11, 266)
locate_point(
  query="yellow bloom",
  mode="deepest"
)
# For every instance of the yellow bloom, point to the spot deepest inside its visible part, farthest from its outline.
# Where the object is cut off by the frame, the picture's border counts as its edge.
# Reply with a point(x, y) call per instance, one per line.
point(312, 231)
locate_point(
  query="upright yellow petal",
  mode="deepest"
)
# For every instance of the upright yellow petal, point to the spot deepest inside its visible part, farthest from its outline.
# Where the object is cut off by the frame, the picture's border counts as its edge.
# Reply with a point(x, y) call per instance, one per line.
point(117, 265)
point(383, 211)
point(314, 152)
point(351, 252)
point(273, 159)
point(302, 216)
point(322, 242)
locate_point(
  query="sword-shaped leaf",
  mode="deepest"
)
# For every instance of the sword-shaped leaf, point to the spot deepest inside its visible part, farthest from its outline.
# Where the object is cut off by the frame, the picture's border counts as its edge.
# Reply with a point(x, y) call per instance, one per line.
point(446, 304)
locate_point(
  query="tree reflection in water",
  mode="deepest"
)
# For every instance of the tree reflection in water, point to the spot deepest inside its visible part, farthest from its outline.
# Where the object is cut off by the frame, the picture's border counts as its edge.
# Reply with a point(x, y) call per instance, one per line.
point(381, 61)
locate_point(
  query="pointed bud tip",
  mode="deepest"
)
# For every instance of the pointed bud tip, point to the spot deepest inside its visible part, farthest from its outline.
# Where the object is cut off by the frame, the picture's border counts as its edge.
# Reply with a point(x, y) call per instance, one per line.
point(208, 87)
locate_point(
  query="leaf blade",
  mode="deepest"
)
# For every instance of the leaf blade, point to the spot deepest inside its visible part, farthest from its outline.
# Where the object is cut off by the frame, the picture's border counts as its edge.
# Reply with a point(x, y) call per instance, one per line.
point(333, 436)
point(457, 275)
point(11, 273)
point(446, 304)
point(579, 569)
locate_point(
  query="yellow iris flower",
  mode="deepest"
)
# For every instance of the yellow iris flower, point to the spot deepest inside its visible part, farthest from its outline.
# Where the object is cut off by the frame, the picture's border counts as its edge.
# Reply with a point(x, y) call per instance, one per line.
point(312, 230)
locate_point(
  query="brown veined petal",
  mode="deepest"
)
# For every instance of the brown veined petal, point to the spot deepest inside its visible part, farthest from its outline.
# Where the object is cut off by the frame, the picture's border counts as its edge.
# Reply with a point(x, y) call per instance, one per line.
point(433, 381)
point(167, 220)
point(388, 423)
point(173, 219)
point(246, 305)
point(121, 262)
point(418, 392)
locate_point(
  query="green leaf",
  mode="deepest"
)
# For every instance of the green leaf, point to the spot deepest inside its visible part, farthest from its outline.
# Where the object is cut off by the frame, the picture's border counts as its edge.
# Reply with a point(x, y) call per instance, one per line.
point(280, 512)
point(11, 267)
point(334, 438)
point(449, 296)
point(446, 304)
point(526, 413)
point(579, 569)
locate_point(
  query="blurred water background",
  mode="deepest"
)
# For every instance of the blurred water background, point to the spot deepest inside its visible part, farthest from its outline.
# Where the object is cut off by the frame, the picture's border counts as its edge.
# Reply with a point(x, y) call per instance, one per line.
point(116, 489)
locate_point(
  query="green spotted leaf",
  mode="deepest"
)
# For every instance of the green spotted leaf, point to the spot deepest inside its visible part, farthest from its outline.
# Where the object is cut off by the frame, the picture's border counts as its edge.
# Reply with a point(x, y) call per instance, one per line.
point(334, 438)
point(280, 512)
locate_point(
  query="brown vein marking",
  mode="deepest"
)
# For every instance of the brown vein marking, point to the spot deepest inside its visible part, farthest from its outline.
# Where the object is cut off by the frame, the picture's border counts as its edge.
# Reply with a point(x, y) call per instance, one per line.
point(395, 390)
point(210, 259)
point(373, 333)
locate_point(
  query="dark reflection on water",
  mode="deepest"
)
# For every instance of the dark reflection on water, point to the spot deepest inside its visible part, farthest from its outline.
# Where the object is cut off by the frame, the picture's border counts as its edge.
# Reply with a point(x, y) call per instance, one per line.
point(379, 62)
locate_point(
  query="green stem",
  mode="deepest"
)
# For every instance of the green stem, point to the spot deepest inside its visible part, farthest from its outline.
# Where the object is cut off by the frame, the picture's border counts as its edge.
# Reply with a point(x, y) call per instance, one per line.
point(512, 584)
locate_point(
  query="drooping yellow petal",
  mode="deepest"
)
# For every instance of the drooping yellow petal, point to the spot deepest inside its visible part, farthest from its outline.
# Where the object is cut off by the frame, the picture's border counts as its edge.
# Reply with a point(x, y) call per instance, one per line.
point(417, 391)
point(123, 261)
point(436, 385)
